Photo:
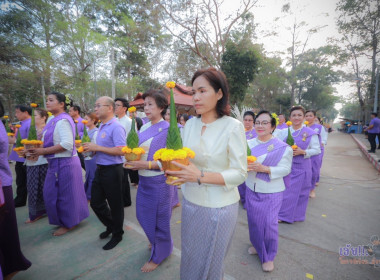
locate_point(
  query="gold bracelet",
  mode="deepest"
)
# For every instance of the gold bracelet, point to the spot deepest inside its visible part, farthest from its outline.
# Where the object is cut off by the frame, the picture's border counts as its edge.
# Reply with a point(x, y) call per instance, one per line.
point(150, 164)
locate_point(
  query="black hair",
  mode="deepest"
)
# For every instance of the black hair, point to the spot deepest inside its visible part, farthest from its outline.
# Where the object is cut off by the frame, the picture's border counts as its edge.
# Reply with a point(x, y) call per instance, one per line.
point(311, 111)
point(298, 107)
point(76, 108)
point(139, 123)
point(159, 97)
point(217, 79)
point(61, 98)
point(185, 117)
point(249, 113)
point(123, 101)
point(273, 121)
point(374, 113)
point(2, 112)
point(24, 108)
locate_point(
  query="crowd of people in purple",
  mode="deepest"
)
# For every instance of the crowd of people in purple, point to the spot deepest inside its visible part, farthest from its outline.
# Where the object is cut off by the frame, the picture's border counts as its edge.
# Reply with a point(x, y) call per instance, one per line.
point(274, 188)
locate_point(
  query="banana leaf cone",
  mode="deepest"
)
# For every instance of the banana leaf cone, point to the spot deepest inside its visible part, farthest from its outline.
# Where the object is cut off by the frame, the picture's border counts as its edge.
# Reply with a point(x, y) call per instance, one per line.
point(7, 128)
point(290, 139)
point(248, 151)
point(133, 138)
point(173, 141)
point(77, 137)
point(18, 139)
point(32, 135)
point(85, 138)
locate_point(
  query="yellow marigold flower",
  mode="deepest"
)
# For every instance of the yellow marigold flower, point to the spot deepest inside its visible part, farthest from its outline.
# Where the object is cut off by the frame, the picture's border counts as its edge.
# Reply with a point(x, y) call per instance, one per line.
point(23, 141)
point(49, 114)
point(33, 105)
point(157, 154)
point(18, 149)
point(138, 151)
point(132, 109)
point(5, 117)
point(189, 152)
point(126, 150)
point(294, 147)
point(10, 134)
point(170, 84)
point(18, 125)
point(167, 155)
point(251, 159)
point(78, 141)
point(306, 122)
point(180, 154)
point(289, 123)
point(84, 121)
point(80, 149)
point(75, 121)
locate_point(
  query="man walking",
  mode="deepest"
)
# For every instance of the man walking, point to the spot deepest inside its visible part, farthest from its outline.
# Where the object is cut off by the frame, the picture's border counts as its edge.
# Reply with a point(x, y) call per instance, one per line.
point(106, 193)
point(373, 130)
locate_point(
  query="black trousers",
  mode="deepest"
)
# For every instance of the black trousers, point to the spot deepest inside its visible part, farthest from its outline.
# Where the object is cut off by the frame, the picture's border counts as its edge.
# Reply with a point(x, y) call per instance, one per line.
point(106, 197)
point(134, 176)
point(126, 189)
point(81, 158)
point(372, 141)
point(21, 191)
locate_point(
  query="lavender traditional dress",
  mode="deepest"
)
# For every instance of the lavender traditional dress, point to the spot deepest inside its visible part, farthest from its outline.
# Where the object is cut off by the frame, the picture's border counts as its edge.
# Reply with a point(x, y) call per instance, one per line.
point(296, 196)
point(64, 195)
point(11, 257)
point(250, 134)
point(282, 126)
point(265, 193)
point(90, 164)
point(154, 196)
point(316, 161)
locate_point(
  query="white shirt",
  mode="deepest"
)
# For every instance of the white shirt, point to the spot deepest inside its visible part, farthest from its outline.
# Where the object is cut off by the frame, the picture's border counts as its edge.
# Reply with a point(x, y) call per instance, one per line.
point(312, 150)
point(146, 146)
point(126, 122)
point(324, 135)
point(63, 135)
point(277, 172)
point(223, 149)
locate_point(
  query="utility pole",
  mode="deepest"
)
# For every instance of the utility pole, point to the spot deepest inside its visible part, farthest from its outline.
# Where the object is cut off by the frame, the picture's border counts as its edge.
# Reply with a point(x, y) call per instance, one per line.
point(375, 103)
point(95, 88)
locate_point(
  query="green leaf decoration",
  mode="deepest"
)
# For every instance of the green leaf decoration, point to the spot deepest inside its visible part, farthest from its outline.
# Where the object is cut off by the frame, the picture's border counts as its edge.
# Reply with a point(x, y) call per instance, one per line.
point(248, 151)
point(77, 137)
point(85, 138)
point(7, 128)
point(289, 139)
point(32, 135)
point(173, 141)
point(18, 140)
point(133, 138)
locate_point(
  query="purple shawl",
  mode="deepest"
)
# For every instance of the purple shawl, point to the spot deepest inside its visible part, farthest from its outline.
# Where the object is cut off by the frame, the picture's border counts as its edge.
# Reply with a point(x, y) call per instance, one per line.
point(158, 132)
point(49, 128)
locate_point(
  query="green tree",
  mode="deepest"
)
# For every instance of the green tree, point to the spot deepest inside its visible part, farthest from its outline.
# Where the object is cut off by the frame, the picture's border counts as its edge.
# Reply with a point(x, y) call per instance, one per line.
point(239, 63)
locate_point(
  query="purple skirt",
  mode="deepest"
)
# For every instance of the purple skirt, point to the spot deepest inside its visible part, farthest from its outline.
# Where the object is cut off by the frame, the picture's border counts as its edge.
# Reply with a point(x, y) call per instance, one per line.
point(11, 257)
point(90, 174)
point(262, 214)
point(153, 211)
point(65, 200)
point(296, 196)
point(242, 191)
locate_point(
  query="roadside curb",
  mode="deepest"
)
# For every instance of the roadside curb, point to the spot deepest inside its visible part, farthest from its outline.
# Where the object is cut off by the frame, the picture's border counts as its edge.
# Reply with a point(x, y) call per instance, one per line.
point(371, 157)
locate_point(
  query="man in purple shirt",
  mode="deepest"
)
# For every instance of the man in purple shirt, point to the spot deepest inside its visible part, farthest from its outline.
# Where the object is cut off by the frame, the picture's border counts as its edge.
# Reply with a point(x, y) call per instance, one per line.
point(23, 114)
point(107, 184)
point(74, 112)
point(373, 130)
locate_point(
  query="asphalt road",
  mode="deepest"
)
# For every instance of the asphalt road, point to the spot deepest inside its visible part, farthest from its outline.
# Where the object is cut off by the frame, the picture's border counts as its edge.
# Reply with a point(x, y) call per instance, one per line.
point(345, 211)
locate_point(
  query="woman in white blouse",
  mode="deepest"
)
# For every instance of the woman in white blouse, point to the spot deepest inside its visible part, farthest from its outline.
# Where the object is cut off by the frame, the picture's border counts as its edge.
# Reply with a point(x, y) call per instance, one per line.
point(265, 186)
point(64, 196)
point(210, 204)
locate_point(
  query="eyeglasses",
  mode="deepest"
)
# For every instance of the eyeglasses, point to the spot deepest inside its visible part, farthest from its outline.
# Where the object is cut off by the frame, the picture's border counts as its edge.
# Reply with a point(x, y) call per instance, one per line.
point(263, 123)
point(99, 105)
point(118, 105)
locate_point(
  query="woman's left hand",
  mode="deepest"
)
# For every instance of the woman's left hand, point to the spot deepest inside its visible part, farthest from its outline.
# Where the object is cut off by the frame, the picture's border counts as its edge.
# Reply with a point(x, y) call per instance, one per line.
point(189, 173)
point(298, 152)
point(258, 167)
point(136, 165)
point(36, 151)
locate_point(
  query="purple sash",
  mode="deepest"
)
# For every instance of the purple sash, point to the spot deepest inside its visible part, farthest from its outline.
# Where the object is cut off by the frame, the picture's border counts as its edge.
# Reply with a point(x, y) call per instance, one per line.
point(274, 149)
point(318, 129)
point(158, 132)
point(49, 128)
point(250, 134)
